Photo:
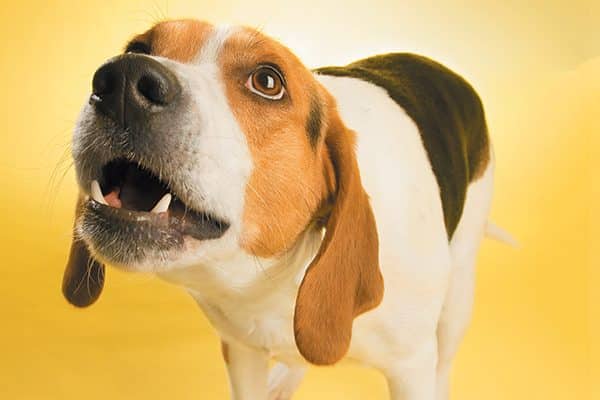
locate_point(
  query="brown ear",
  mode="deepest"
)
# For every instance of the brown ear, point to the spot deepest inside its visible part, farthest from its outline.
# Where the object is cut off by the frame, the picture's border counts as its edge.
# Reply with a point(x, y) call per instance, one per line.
point(84, 277)
point(343, 280)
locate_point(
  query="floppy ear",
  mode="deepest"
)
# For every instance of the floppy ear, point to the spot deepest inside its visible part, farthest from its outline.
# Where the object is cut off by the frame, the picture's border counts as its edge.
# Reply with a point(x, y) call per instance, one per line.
point(343, 280)
point(84, 277)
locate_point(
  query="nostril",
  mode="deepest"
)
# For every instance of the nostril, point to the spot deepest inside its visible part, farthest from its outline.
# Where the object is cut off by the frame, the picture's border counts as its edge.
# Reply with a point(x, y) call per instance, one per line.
point(154, 89)
point(104, 81)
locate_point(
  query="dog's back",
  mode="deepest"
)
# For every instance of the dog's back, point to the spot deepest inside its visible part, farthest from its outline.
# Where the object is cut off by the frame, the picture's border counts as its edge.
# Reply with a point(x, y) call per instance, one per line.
point(447, 111)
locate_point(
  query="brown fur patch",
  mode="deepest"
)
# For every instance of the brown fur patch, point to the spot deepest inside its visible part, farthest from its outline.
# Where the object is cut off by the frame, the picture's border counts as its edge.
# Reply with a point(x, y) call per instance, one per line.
point(343, 280)
point(179, 40)
point(289, 181)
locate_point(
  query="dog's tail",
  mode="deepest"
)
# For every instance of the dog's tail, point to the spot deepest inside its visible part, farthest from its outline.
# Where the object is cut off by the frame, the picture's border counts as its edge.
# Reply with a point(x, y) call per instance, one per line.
point(494, 232)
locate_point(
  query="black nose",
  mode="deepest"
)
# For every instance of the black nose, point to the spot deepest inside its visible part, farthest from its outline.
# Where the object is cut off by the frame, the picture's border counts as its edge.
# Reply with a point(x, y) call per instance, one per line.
point(130, 87)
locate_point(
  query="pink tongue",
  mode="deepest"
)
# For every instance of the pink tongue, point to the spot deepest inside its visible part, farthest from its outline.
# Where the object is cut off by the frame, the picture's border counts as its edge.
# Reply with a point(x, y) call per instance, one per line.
point(113, 198)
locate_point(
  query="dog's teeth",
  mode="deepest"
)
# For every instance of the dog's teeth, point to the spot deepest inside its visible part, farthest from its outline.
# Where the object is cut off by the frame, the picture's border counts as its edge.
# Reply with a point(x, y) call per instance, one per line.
point(97, 193)
point(163, 204)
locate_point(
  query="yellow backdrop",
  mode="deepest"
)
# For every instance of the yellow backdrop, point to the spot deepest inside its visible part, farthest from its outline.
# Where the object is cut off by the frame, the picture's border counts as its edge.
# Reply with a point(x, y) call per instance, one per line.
point(536, 65)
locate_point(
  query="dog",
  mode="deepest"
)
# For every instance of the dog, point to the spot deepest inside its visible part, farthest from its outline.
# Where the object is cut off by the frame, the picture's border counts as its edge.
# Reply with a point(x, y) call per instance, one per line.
point(314, 215)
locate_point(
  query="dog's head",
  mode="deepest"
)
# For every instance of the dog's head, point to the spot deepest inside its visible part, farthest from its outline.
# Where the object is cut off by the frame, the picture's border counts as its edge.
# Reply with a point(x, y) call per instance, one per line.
point(200, 143)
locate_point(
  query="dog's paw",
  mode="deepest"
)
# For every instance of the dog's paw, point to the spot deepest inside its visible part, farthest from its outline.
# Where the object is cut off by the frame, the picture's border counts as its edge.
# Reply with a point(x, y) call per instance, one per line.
point(284, 380)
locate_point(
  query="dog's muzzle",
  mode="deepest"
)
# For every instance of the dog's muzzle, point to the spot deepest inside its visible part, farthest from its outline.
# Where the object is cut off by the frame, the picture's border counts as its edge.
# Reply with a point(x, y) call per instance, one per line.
point(137, 207)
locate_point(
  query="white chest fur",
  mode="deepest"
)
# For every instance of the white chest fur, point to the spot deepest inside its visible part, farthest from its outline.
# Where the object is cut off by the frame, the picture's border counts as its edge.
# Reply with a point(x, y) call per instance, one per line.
point(251, 300)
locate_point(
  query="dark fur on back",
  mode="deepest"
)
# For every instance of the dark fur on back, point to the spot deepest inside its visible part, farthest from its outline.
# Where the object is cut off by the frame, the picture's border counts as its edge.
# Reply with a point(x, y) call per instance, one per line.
point(447, 111)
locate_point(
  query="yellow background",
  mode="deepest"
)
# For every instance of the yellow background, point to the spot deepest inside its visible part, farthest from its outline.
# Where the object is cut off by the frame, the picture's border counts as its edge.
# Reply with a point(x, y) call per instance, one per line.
point(535, 331)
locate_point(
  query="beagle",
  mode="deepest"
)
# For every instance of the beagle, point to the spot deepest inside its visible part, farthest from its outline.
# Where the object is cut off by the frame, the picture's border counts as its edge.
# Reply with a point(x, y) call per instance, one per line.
point(313, 215)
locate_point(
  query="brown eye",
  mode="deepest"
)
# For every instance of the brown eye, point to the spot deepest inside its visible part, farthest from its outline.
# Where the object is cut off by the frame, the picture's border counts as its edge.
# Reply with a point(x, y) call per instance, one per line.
point(267, 82)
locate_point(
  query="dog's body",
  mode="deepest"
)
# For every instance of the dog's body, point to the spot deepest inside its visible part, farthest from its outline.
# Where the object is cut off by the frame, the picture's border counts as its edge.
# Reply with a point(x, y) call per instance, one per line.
point(425, 164)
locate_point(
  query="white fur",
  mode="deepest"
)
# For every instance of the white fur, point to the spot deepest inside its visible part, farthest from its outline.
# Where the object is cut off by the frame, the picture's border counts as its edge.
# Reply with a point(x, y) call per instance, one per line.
point(465, 242)
point(495, 232)
point(211, 49)
point(219, 170)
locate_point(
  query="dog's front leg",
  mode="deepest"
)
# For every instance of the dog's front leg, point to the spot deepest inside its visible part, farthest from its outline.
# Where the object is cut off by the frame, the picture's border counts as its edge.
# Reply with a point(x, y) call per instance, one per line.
point(413, 375)
point(248, 371)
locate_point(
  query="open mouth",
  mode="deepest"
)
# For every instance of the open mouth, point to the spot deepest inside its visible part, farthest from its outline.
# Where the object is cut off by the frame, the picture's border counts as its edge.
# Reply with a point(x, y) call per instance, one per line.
point(127, 193)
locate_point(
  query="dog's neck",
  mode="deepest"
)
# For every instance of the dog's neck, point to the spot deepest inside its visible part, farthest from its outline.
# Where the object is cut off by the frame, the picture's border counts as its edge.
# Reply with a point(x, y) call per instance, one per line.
point(248, 278)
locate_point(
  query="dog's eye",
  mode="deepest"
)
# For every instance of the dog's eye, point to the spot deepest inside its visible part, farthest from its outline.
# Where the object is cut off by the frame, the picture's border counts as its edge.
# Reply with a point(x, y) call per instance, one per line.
point(266, 81)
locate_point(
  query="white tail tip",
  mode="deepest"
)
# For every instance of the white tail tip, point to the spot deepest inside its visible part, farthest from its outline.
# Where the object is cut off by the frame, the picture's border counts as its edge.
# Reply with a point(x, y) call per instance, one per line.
point(494, 232)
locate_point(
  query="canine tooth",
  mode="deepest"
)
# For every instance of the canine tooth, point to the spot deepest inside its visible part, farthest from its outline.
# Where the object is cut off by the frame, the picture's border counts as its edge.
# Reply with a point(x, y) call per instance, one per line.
point(97, 193)
point(163, 204)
